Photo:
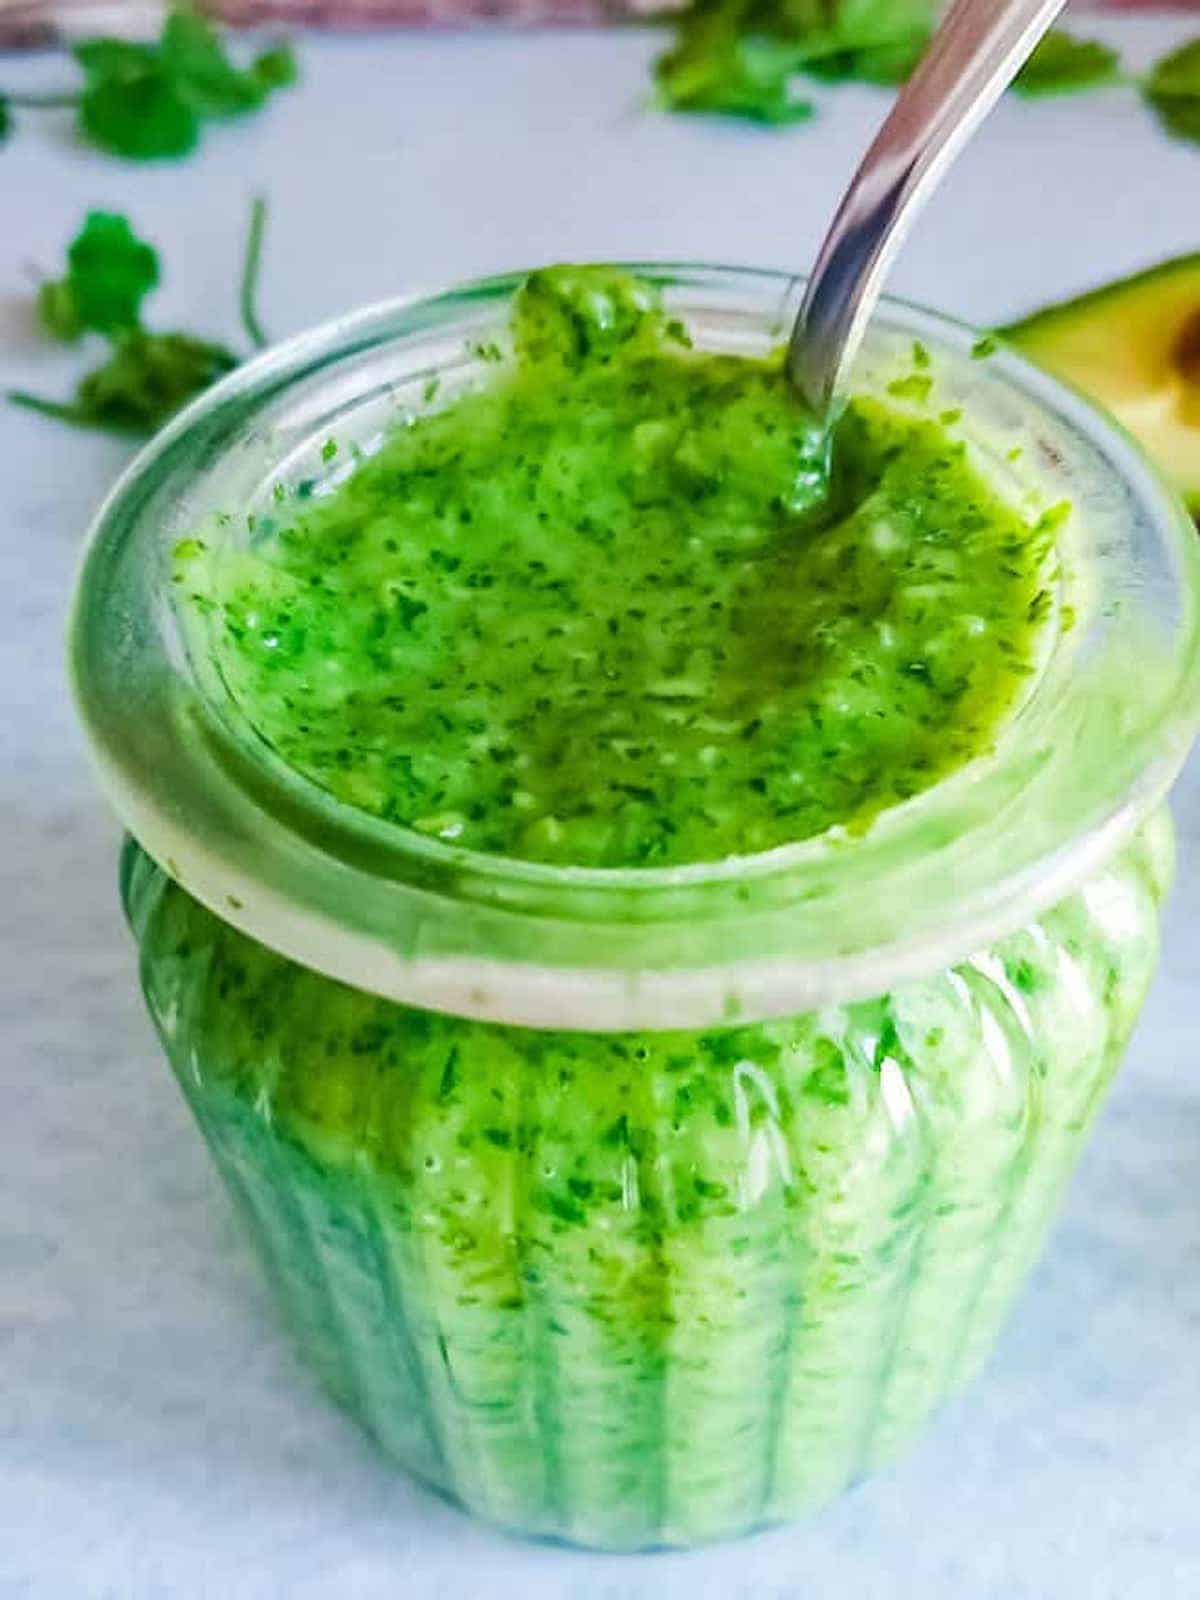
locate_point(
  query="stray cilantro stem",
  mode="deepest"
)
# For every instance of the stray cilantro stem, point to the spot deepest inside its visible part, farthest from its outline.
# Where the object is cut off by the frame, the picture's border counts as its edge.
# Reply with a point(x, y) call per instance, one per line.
point(250, 271)
point(48, 408)
point(75, 414)
point(52, 100)
point(148, 376)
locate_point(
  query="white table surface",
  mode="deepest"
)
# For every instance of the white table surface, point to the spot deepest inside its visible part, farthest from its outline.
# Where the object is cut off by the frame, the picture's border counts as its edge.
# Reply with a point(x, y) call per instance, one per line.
point(157, 1436)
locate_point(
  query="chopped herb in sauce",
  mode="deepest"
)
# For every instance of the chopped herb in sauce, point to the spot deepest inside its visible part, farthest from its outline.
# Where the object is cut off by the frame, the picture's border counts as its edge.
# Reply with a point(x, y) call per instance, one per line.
point(609, 608)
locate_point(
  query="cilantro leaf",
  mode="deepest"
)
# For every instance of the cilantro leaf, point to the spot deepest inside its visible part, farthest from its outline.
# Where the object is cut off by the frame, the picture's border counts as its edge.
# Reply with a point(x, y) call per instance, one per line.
point(150, 376)
point(1173, 89)
point(109, 273)
point(203, 76)
point(747, 77)
point(870, 41)
point(888, 64)
point(147, 101)
point(130, 106)
point(194, 58)
point(146, 379)
point(739, 57)
point(276, 68)
point(1063, 64)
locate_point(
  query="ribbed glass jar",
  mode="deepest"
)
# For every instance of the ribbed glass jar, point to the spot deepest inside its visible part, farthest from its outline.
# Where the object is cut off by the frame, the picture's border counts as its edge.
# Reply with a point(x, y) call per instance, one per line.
point(645, 1207)
point(651, 1288)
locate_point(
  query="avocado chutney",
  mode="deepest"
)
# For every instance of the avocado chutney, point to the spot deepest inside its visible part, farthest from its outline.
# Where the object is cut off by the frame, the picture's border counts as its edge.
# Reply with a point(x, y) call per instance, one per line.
point(613, 607)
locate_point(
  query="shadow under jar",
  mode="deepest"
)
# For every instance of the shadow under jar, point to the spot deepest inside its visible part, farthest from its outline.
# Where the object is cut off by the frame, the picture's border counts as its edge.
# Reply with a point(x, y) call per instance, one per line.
point(645, 1206)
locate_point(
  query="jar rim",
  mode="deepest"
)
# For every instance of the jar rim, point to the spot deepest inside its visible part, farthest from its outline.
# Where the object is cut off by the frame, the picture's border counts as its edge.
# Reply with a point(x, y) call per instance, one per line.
point(425, 922)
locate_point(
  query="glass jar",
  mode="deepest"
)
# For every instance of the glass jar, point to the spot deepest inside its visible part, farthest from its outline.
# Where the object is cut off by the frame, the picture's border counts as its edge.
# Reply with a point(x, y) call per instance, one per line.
point(644, 1207)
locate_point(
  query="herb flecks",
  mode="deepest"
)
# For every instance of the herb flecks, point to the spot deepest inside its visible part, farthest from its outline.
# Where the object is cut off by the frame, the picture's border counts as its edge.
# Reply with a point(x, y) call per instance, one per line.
point(604, 608)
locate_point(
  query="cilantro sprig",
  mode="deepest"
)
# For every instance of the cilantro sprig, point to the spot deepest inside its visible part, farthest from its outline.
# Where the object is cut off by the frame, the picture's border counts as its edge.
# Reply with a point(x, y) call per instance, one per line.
point(149, 102)
point(742, 58)
point(147, 376)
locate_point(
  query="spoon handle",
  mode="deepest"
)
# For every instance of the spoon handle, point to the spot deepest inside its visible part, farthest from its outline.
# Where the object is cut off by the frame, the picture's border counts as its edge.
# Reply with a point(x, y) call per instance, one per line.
point(974, 55)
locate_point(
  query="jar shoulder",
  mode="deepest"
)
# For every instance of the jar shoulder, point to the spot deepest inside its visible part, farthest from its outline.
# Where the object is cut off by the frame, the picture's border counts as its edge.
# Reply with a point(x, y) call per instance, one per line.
point(1045, 1006)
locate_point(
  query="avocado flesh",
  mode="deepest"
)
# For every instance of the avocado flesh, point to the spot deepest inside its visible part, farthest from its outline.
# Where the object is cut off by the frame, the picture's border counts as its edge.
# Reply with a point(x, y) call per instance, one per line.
point(1134, 347)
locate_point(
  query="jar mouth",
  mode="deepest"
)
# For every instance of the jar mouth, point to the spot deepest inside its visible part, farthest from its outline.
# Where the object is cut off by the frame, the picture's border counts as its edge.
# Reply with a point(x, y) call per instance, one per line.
point(1091, 749)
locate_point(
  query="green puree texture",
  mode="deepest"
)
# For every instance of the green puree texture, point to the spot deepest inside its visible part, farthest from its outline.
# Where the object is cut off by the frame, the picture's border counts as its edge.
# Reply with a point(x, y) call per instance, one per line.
point(612, 608)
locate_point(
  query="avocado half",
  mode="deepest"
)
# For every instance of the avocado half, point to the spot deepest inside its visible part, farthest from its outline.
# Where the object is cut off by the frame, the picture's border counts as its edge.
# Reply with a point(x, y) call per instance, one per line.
point(1134, 347)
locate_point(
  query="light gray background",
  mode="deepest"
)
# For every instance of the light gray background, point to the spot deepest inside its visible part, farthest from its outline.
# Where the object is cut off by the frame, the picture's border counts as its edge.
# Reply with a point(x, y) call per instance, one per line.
point(157, 1438)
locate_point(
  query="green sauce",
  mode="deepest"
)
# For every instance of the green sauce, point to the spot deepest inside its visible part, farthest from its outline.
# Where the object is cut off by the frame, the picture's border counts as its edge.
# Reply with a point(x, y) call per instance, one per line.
point(612, 607)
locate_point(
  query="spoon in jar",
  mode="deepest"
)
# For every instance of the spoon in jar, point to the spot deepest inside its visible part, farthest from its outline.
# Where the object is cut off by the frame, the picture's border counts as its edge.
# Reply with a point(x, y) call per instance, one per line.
point(972, 58)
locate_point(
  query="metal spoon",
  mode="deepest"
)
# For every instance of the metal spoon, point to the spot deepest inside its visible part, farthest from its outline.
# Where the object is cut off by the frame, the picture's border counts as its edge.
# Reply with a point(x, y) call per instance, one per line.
point(971, 59)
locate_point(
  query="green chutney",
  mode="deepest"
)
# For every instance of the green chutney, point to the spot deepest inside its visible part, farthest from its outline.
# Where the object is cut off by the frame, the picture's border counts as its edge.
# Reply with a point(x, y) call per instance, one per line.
point(614, 607)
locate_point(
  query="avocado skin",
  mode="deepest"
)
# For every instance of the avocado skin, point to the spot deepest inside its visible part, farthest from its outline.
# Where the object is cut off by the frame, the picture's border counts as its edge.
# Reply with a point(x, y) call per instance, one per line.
point(1133, 346)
